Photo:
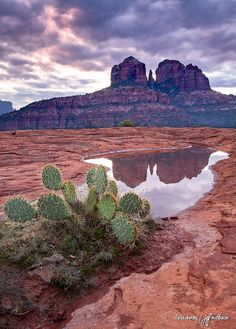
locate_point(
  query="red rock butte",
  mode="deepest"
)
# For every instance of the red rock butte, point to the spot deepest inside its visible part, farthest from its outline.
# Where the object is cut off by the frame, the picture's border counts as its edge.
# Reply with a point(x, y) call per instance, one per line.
point(129, 71)
point(186, 78)
point(178, 96)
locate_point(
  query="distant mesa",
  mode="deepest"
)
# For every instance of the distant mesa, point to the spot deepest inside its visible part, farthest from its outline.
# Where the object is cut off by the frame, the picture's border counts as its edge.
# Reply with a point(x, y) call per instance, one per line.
point(5, 107)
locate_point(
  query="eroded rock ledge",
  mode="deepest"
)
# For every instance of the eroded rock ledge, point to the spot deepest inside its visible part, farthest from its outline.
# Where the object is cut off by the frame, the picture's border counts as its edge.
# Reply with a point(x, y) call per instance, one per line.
point(199, 281)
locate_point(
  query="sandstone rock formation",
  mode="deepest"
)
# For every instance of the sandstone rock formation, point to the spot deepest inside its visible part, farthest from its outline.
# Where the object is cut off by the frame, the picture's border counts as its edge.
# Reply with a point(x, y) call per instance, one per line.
point(180, 96)
point(185, 78)
point(199, 281)
point(130, 71)
point(151, 81)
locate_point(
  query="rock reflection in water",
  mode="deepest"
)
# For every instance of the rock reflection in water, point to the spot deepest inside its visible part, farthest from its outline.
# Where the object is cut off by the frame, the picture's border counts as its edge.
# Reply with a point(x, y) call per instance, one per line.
point(170, 167)
point(172, 181)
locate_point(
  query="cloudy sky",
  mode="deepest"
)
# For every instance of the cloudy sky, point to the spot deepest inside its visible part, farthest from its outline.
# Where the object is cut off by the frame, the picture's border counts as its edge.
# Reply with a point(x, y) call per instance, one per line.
point(64, 47)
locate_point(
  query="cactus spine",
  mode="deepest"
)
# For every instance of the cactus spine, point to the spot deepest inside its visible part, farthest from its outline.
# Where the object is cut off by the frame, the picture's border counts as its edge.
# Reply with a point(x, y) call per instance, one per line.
point(97, 177)
point(51, 177)
point(145, 208)
point(130, 203)
point(100, 179)
point(19, 210)
point(69, 192)
point(91, 201)
point(107, 206)
point(112, 188)
point(91, 177)
point(124, 230)
point(52, 206)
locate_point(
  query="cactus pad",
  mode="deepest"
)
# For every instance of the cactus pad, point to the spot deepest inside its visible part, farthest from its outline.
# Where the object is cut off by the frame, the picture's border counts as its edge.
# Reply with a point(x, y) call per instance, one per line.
point(130, 203)
point(19, 210)
point(112, 188)
point(107, 206)
point(52, 206)
point(91, 201)
point(100, 179)
point(51, 177)
point(91, 176)
point(145, 209)
point(124, 230)
point(97, 177)
point(69, 192)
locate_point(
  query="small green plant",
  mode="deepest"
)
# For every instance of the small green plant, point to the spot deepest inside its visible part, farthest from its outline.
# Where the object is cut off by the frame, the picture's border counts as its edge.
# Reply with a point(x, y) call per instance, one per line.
point(126, 123)
point(52, 206)
point(19, 210)
point(91, 232)
point(102, 204)
point(104, 257)
point(51, 177)
point(69, 192)
point(130, 203)
point(68, 278)
point(69, 244)
point(124, 230)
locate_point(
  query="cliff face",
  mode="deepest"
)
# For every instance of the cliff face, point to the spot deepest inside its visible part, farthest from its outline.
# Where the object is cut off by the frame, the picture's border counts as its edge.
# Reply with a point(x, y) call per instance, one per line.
point(106, 108)
point(130, 71)
point(180, 96)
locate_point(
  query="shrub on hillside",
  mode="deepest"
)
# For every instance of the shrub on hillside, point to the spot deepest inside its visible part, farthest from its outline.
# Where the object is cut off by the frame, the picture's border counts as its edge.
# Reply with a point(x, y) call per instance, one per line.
point(126, 123)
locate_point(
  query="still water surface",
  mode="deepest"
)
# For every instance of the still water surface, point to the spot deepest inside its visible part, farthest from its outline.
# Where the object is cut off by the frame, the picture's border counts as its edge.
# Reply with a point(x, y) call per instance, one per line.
point(171, 180)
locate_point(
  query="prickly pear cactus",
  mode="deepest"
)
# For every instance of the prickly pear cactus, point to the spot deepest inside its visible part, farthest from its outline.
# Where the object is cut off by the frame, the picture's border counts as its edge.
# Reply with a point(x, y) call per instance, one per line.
point(145, 209)
point(100, 179)
point(91, 177)
point(124, 230)
point(69, 192)
point(52, 206)
point(51, 177)
point(130, 203)
point(19, 210)
point(112, 188)
point(91, 201)
point(107, 206)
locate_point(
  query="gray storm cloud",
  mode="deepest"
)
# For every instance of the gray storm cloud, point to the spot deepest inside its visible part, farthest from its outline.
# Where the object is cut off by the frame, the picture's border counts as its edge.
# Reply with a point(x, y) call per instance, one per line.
point(202, 32)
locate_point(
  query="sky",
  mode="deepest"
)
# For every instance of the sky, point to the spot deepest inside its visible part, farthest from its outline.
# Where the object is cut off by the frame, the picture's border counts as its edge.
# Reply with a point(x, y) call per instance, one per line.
point(52, 48)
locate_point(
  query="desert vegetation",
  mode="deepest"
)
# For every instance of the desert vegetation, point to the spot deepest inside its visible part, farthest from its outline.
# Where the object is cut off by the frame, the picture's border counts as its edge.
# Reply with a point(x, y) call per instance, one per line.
point(89, 232)
point(126, 123)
